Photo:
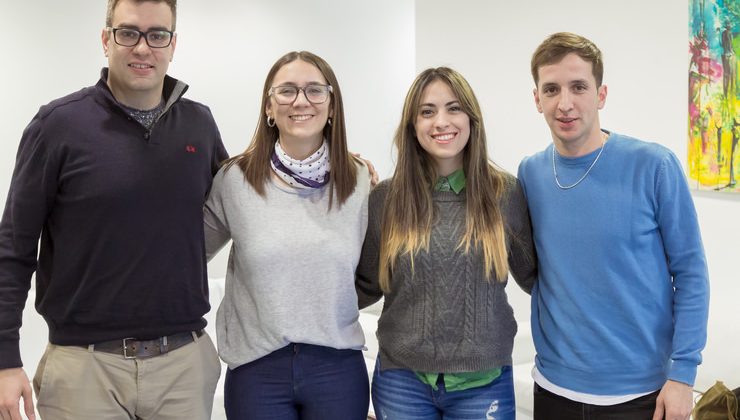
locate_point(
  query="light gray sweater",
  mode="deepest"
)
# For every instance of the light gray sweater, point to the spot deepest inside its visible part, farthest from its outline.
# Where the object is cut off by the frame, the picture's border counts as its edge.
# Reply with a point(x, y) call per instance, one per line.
point(291, 270)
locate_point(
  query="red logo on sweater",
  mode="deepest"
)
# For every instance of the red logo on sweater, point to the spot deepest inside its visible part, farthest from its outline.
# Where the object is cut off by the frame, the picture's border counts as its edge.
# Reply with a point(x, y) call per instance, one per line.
point(190, 149)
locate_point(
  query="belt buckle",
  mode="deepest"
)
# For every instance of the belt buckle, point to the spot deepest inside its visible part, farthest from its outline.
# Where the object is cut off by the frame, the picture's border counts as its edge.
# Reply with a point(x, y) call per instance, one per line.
point(125, 348)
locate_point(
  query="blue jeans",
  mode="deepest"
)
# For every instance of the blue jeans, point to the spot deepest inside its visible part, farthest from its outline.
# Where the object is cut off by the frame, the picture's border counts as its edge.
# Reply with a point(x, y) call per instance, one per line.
point(398, 394)
point(299, 381)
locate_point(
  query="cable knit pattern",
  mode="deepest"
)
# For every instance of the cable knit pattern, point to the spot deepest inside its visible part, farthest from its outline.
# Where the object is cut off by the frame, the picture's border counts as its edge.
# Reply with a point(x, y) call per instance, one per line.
point(447, 317)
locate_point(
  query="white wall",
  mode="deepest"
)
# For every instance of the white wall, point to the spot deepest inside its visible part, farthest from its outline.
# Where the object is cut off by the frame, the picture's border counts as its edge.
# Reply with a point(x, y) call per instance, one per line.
point(225, 48)
point(645, 47)
point(224, 51)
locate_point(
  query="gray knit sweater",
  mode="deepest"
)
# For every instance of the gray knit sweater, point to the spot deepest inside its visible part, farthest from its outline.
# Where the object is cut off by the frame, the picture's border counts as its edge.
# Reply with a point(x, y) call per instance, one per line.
point(290, 276)
point(447, 317)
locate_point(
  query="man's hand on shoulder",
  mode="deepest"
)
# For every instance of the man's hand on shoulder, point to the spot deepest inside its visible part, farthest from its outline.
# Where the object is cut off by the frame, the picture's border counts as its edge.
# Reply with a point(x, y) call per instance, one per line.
point(370, 169)
point(14, 385)
point(675, 401)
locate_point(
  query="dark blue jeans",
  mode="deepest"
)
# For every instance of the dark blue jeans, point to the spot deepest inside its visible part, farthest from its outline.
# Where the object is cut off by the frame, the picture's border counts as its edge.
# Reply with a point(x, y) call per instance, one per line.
point(299, 382)
point(549, 406)
point(398, 394)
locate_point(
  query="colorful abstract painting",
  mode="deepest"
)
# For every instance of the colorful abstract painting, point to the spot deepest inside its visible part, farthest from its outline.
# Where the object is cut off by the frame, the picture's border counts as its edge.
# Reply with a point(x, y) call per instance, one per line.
point(714, 121)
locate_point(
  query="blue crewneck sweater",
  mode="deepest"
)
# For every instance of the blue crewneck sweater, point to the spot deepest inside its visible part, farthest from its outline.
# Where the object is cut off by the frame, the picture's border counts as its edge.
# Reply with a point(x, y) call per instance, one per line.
point(622, 299)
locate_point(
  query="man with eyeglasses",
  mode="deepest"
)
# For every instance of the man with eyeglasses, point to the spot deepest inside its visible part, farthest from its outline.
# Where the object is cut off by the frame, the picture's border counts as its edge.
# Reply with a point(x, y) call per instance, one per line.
point(113, 179)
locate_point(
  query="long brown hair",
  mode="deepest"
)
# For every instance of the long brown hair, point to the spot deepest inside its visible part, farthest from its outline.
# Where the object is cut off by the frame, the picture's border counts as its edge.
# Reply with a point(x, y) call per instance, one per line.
point(255, 161)
point(409, 211)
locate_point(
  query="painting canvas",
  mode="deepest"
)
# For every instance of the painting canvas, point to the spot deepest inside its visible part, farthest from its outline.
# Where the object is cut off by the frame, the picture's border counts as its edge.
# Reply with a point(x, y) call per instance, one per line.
point(714, 121)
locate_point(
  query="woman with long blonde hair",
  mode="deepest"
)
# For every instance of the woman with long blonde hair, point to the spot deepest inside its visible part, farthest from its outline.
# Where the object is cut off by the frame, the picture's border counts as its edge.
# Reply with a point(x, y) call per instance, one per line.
point(443, 234)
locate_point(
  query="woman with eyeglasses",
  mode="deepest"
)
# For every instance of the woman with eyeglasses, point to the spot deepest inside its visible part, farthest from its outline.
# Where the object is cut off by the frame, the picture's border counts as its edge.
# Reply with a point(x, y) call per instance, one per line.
point(443, 234)
point(294, 205)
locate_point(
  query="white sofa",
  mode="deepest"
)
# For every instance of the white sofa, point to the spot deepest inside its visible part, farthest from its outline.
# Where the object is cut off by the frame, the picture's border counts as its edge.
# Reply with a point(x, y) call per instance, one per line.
point(369, 321)
point(216, 289)
point(34, 336)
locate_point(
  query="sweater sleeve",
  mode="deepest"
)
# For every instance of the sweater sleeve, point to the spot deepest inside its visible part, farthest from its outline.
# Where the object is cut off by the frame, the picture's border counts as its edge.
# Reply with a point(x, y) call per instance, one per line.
point(522, 258)
point(679, 229)
point(366, 278)
point(219, 151)
point(216, 231)
point(31, 196)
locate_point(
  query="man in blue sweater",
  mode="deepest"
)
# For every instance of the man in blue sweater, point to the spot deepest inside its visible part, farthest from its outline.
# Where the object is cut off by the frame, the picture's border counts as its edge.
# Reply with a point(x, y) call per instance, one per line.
point(113, 179)
point(619, 314)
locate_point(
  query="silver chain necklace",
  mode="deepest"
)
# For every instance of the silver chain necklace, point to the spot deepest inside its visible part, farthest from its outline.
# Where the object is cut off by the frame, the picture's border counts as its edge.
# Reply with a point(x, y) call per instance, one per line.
point(555, 171)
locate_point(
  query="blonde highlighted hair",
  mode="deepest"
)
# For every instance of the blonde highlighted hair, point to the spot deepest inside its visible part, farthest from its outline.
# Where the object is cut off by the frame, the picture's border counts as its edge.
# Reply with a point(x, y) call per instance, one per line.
point(409, 211)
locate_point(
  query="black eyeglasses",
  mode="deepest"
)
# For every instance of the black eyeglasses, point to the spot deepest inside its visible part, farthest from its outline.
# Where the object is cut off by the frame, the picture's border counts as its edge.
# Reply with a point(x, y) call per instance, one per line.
point(128, 37)
point(286, 95)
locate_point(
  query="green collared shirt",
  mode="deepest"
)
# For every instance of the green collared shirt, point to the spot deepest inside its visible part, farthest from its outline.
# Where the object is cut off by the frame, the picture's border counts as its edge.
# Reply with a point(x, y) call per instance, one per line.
point(461, 380)
point(453, 182)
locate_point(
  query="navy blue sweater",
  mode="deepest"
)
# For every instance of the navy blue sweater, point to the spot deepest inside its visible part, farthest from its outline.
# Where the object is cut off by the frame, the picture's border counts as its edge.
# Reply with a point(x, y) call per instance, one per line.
point(118, 208)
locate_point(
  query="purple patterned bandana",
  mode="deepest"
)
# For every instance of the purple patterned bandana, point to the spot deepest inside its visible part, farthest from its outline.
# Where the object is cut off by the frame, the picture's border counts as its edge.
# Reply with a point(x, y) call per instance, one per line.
point(312, 172)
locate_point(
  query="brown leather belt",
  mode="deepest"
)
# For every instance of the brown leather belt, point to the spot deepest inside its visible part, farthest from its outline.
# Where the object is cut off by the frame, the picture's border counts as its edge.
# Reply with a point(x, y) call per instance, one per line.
point(131, 348)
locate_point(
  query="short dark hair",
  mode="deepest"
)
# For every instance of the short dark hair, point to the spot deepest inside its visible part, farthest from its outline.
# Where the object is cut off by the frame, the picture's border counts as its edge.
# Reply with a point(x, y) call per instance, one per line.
point(113, 3)
point(558, 45)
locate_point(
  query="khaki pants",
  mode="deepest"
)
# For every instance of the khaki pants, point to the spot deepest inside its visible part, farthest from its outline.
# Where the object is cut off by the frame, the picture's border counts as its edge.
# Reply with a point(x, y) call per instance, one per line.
point(74, 383)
